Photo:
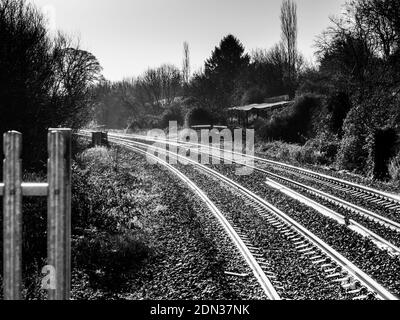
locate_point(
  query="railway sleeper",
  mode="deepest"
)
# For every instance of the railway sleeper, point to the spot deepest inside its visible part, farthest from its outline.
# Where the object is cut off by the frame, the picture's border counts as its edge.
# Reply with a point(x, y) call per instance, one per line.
point(302, 246)
point(355, 291)
point(350, 286)
point(309, 253)
point(333, 275)
point(318, 261)
point(316, 257)
point(306, 250)
point(343, 280)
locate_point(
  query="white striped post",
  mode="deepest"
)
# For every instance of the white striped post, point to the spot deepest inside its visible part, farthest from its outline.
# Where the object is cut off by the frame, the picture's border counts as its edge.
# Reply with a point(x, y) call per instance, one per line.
point(59, 212)
point(12, 216)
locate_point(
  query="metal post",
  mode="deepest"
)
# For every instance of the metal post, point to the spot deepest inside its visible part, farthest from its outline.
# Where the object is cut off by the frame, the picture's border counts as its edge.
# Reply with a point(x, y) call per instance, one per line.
point(59, 211)
point(12, 221)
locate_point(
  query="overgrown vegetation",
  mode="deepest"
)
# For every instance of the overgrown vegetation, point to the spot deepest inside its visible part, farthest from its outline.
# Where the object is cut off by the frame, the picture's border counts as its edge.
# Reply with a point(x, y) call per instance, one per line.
point(109, 240)
point(44, 80)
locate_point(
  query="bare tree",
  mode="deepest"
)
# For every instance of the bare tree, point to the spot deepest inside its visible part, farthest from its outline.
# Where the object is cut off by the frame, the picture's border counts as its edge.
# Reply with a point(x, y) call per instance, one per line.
point(75, 72)
point(289, 37)
point(161, 85)
point(186, 63)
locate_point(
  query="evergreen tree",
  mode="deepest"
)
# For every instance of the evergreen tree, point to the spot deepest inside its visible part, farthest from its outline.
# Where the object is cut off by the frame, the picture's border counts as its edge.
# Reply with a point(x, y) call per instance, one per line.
point(226, 63)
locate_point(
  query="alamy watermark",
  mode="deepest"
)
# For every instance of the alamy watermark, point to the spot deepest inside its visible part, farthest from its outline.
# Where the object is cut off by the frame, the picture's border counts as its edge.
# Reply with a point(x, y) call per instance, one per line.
point(204, 146)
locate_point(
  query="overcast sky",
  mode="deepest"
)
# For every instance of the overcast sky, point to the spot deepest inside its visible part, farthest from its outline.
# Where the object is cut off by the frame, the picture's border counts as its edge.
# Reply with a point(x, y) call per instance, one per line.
point(128, 36)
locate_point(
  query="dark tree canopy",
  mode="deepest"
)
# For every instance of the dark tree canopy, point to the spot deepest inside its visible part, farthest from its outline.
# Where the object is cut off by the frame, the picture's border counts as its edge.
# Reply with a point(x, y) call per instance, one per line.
point(226, 63)
point(44, 82)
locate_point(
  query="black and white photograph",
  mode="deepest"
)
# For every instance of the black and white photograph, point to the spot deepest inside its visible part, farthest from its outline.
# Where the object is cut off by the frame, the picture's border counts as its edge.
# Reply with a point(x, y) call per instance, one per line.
point(200, 158)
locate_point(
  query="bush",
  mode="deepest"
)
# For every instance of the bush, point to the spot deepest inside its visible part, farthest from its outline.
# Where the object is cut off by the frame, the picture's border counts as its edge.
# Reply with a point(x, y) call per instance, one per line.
point(339, 105)
point(199, 116)
point(173, 113)
point(36, 90)
point(253, 95)
point(394, 170)
point(109, 240)
point(321, 150)
point(353, 151)
point(109, 259)
point(352, 155)
point(294, 125)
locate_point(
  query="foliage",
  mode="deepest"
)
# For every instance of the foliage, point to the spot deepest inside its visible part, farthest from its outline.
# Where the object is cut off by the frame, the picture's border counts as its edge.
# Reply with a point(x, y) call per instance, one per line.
point(108, 237)
point(138, 103)
point(353, 152)
point(321, 150)
point(295, 124)
point(394, 169)
point(215, 86)
point(359, 73)
point(338, 105)
point(44, 82)
point(199, 116)
point(173, 113)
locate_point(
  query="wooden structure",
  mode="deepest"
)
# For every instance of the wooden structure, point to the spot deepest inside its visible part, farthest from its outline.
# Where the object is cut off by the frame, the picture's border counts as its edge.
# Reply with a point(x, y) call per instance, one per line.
point(57, 189)
point(99, 139)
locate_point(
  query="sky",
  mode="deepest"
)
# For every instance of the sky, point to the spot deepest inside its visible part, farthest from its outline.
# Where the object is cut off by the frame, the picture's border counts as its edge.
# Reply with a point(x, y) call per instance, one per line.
point(129, 36)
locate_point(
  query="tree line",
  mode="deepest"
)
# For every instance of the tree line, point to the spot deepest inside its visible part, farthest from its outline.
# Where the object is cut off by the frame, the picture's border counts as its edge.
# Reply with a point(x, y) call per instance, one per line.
point(347, 102)
point(45, 81)
point(230, 77)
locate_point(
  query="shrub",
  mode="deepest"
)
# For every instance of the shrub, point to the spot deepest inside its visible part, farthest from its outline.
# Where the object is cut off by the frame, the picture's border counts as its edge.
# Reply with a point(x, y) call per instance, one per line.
point(352, 154)
point(321, 150)
point(109, 241)
point(382, 143)
point(339, 105)
point(394, 170)
point(173, 113)
point(294, 125)
point(253, 95)
point(109, 259)
point(353, 150)
point(199, 116)
point(97, 159)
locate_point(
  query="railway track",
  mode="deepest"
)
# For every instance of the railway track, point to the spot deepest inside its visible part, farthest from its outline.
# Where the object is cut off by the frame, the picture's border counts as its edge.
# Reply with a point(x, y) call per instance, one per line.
point(336, 267)
point(376, 197)
point(250, 253)
point(281, 182)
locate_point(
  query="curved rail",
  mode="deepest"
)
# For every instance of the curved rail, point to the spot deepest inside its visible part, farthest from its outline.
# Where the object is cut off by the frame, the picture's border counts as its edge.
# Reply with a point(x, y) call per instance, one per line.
point(323, 195)
point(252, 262)
point(312, 239)
point(390, 200)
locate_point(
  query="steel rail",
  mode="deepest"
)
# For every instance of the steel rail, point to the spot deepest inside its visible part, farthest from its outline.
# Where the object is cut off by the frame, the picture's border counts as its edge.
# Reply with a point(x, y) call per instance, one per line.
point(365, 189)
point(258, 272)
point(340, 260)
point(330, 198)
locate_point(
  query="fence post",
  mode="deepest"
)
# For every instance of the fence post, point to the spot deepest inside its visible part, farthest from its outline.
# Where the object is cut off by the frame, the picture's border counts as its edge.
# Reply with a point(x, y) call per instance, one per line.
point(104, 139)
point(59, 211)
point(12, 216)
point(96, 139)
